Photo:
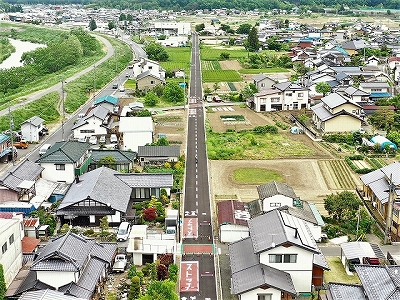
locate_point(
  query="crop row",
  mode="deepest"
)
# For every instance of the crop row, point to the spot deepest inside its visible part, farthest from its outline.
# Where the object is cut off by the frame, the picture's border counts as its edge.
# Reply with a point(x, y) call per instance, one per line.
point(221, 76)
point(210, 65)
point(341, 174)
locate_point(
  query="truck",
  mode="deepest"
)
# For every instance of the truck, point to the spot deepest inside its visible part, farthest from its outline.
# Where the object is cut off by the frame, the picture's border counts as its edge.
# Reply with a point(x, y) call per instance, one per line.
point(171, 221)
point(120, 263)
point(22, 144)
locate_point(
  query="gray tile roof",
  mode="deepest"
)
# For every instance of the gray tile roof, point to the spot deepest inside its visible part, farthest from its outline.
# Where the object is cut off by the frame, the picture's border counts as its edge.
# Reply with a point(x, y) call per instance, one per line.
point(148, 180)
point(351, 90)
point(31, 282)
point(380, 282)
point(334, 100)
point(99, 112)
point(342, 291)
point(65, 152)
point(35, 121)
point(262, 276)
point(242, 255)
point(282, 229)
point(158, 151)
point(275, 188)
point(26, 170)
point(375, 84)
point(47, 295)
point(289, 86)
point(119, 155)
point(101, 185)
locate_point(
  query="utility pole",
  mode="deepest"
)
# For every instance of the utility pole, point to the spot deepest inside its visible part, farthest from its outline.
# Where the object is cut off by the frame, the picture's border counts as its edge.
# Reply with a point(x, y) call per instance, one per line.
point(63, 108)
point(11, 133)
point(389, 216)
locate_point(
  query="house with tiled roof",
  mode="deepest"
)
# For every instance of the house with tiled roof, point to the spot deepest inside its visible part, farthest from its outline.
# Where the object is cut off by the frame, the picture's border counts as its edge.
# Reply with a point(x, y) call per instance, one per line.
point(376, 185)
point(376, 89)
point(124, 160)
point(92, 196)
point(106, 101)
point(279, 259)
point(148, 80)
point(33, 128)
point(31, 227)
point(337, 113)
point(19, 183)
point(275, 194)
point(158, 154)
point(232, 220)
point(72, 264)
point(356, 95)
point(263, 82)
point(65, 160)
point(5, 151)
point(96, 122)
point(354, 46)
point(340, 291)
point(47, 295)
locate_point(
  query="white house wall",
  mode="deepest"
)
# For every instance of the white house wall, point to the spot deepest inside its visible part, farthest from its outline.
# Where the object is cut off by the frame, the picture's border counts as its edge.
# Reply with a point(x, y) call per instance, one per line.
point(276, 201)
point(30, 133)
point(11, 260)
point(253, 294)
point(50, 173)
point(231, 233)
point(132, 140)
point(56, 279)
point(301, 271)
point(94, 125)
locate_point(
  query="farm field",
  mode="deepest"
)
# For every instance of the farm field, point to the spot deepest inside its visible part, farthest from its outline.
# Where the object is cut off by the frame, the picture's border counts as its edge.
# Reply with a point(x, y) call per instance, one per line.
point(221, 76)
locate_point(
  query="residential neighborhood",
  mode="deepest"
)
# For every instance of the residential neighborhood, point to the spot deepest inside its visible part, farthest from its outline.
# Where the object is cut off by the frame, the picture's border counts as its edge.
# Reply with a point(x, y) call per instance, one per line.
point(245, 196)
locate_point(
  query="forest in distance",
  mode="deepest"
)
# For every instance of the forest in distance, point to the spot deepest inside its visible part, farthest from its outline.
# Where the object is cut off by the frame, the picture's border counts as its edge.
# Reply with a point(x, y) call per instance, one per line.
point(341, 6)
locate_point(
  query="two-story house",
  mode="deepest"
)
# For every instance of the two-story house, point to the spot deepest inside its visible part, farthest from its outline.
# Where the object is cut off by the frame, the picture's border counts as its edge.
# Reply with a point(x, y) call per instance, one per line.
point(279, 259)
point(143, 65)
point(93, 195)
point(337, 113)
point(96, 122)
point(136, 131)
point(65, 160)
point(72, 264)
point(5, 151)
point(376, 89)
point(263, 82)
point(32, 129)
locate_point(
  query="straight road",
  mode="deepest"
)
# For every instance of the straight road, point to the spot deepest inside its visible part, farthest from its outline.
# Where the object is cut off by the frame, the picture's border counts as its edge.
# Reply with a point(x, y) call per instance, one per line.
point(198, 274)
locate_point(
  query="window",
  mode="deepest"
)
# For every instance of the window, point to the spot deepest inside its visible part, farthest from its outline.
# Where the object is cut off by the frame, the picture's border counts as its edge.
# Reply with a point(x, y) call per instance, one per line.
point(87, 131)
point(288, 94)
point(395, 212)
point(262, 84)
point(4, 248)
point(60, 167)
point(275, 100)
point(152, 82)
point(264, 297)
point(11, 239)
point(300, 95)
point(295, 105)
point(285, 258)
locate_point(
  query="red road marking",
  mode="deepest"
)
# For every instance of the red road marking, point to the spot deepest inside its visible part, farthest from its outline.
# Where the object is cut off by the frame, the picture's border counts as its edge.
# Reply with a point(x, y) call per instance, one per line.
point(197, 249)
point(190, 228)
point(189, 281)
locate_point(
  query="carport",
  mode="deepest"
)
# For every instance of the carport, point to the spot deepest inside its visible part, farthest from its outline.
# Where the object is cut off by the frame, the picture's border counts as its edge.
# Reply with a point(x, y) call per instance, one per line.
point(358, 250)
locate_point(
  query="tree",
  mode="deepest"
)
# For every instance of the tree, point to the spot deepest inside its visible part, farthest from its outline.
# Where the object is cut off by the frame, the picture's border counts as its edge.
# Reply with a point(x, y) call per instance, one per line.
point(162, 272)
point(156, 51)
point(224, 55)
point(207, 91)
point(111, 25)
point(216, 86)
point(342, 205)
point(134, 290)
point(149, 214)
point(144, 113)
point(244, 28)
point(162, 142)
point(173, 93)
point(249, 90)
point(199, 27)
point(323, 88)
point(383, 118)
point(161, 290)
point(104, 225)
point(151, 99)
point(108, 161)
point(252, 43)
point(92, 25)
point(3, 287)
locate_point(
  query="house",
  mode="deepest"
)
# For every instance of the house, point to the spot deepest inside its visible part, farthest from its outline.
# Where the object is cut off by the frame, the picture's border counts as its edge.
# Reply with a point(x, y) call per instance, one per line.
point(294, 96)
point(32, 129)
point(145, 185)
point(263, 82)
point(146, 246)
point(376, 185)
point(31, 227)
point(356, 95)
point(71, 264)
point(337, 113)
point(147, 81)
point(109, 102)
point(279, 260)
point(124, 160)
point(232, 221)
point(96, 122)
point(275, 194)
point(354, 46)
point(158, 154)
point(145, 65)
point(47, 295)
point(376, 89)
point(5, 148)
point(11, 247)
point(93, 195)
point(339, 291)
point(64, 160)
point(136, 131)
point(19, 183)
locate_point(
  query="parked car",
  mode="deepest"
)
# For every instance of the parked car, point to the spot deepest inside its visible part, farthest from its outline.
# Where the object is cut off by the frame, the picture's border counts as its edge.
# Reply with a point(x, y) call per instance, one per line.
point(371, 261)
point(120, 262)
point(93, 140)
point(22, 144)
point(121, 88)
point(44, 149)
point(123, 231)
point(82, 139)
point(115, 86)
point(102, 139)
point(217, 99)
point(113, 138)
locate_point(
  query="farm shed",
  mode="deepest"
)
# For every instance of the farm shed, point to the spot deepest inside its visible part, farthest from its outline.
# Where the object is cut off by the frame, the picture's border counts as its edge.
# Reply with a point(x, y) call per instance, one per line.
point(232, 221)
point(381, 140)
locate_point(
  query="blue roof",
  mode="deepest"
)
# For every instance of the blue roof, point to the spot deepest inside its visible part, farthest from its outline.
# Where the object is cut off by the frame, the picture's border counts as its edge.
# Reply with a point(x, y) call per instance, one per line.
point(380, 95)
point(340, 48)
point(3, 137)
point(107, 98)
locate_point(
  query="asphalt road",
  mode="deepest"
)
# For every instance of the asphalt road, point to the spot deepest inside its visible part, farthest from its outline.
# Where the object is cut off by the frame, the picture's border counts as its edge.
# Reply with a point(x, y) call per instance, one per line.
point(197, 195)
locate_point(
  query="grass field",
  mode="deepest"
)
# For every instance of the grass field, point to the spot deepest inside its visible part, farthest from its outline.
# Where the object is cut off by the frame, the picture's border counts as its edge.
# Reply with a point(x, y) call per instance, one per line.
point(268, 70)
point(213, 53)
point(338, 273)
point(179, 58)
point(221, 76)
point(210, 65)
point(255, 176)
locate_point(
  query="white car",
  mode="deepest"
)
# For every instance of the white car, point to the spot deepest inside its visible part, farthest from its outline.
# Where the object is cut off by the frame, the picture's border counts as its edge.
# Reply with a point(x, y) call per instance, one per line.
point(113, 139)
point(102, 139)
point(93, 140)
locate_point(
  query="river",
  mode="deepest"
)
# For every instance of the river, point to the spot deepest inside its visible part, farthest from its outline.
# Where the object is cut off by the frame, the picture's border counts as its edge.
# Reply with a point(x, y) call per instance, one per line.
point(20, 48)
